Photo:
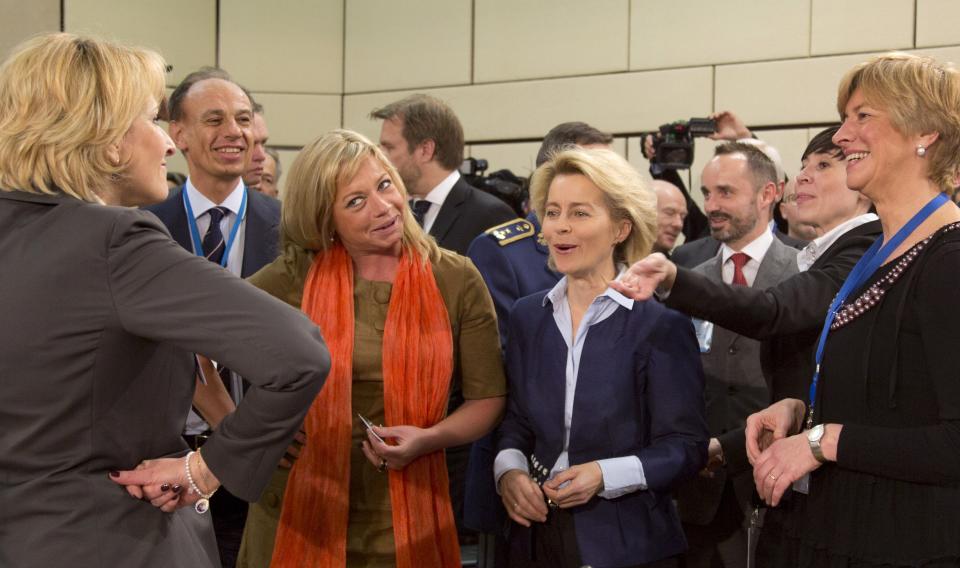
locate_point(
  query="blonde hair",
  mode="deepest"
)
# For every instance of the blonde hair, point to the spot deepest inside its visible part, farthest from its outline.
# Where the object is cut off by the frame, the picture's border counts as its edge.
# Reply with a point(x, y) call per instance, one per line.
point(627, 195)
point(64, 101)
point(921, 96)
point(311, 190)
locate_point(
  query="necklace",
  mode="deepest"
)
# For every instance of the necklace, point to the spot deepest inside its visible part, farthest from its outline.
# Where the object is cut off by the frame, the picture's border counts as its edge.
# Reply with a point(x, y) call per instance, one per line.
point(872, 295)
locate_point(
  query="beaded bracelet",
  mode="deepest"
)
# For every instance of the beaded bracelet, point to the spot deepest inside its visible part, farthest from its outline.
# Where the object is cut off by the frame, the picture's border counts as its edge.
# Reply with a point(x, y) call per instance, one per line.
point(202, 505)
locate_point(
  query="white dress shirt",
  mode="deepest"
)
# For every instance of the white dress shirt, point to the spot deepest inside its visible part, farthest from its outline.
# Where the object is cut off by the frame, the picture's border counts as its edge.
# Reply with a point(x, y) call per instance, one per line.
point(756, 250)
point(817, 246)
point(621, 475)
point(436, 197)
point(201, 204)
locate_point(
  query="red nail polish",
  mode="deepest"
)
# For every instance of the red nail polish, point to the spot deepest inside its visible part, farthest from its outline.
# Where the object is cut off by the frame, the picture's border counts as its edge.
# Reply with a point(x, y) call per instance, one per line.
point(176, 488)
point(165, 487)
point(114, 473)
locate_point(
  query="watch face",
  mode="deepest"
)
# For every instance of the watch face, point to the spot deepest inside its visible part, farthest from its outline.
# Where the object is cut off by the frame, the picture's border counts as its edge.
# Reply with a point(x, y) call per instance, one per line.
point(815, 433)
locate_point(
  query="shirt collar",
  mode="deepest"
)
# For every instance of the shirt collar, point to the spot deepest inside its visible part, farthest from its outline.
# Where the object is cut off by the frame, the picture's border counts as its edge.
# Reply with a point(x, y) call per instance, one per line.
point(201, 204)
point(558, 293)
point(756, 249)
point(439, 194)
point(817, 246)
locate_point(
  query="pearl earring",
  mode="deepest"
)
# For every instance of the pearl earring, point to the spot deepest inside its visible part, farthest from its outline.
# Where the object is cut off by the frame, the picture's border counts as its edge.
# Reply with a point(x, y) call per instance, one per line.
point(921, 151)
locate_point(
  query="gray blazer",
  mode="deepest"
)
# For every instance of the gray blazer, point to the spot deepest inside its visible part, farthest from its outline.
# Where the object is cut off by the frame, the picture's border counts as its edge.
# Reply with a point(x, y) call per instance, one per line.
point(99, 309)
point(735, 387)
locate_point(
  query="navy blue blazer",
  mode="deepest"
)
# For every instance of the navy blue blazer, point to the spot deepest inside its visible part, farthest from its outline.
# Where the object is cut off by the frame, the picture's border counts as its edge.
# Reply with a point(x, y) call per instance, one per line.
point(639, 392)
point(261, 236)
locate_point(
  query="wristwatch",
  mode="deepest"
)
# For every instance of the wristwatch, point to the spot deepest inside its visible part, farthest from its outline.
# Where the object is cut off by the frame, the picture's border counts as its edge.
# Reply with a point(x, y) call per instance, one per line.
point(813, 437)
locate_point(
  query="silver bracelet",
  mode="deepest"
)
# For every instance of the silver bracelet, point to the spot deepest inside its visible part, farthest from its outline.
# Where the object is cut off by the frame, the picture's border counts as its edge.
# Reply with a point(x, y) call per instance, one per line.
point(203, 505)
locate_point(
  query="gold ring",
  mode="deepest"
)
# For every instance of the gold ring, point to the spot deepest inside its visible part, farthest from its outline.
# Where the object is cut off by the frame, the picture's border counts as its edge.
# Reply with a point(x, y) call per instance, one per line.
point(773, 477)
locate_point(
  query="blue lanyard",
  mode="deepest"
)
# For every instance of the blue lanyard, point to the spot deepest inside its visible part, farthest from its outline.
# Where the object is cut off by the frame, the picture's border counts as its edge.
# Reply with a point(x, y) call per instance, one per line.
point(865, 267)
point(195, 230)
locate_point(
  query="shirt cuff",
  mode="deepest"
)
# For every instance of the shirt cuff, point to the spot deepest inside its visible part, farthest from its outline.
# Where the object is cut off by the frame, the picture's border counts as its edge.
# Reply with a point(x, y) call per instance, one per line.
point(507, 460)
point(621, 476)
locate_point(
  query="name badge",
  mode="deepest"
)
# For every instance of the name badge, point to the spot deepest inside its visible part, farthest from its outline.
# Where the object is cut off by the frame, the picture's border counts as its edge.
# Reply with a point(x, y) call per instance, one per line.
point(704, 330)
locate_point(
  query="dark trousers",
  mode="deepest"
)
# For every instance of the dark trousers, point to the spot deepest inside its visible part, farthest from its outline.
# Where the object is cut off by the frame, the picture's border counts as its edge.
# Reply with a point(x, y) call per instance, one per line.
point(554, 545)
point(229, 516)
point(722, 543)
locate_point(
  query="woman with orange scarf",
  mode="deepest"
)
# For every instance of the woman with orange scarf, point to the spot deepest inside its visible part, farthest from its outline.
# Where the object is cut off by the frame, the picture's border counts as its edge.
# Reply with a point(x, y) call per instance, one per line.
point(404, 319)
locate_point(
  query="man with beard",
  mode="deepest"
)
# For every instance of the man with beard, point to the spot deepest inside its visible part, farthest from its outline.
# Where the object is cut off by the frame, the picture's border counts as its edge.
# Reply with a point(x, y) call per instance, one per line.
point(423, 139)
point(739, 185)
point(671, 213)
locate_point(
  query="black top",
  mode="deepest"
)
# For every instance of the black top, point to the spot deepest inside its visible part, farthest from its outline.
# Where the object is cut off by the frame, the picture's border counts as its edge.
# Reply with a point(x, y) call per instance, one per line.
point(890, 378)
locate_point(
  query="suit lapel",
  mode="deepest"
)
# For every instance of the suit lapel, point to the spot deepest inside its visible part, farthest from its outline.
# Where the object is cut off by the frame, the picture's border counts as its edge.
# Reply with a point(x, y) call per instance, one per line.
point(256, 242)
point(176, 220)
point(776, 260)
point(450, 210)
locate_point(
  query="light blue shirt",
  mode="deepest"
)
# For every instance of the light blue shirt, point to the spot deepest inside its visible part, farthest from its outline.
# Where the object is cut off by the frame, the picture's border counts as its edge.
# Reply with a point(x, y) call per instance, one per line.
point(621, 475)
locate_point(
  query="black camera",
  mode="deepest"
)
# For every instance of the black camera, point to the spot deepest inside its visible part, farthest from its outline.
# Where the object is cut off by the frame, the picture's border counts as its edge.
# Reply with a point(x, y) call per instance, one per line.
point(502, 184)
point(673, 144)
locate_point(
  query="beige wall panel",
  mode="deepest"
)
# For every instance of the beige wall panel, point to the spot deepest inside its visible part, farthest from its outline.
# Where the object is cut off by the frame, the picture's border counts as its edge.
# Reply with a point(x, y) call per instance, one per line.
point(783, 92)
point(942, 54)
point(790, 143)
point(292, 47)
point(860, 25)
point(407, 45)
point(937, 22)
point(21, 20)
point(295, 120)
point(177, 163)
point(286, 160)
point(620, 103)
point(184, 31)
point(702, 32)
point(549, 38)
point(521, 157)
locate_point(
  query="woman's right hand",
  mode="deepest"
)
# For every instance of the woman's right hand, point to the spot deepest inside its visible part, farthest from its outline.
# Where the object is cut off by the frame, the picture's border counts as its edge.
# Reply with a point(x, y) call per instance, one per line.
point(522, 498)
point(773, 423)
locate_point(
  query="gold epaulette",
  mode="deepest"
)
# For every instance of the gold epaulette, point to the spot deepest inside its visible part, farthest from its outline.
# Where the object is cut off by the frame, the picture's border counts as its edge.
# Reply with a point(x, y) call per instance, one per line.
point(511, 231)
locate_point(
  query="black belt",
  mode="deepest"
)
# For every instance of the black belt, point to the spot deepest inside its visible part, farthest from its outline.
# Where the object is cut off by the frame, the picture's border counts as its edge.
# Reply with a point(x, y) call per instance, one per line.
point(195, 441)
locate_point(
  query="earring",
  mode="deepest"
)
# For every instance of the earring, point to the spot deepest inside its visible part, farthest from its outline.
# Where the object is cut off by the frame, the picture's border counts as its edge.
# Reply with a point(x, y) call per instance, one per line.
point(921, 151)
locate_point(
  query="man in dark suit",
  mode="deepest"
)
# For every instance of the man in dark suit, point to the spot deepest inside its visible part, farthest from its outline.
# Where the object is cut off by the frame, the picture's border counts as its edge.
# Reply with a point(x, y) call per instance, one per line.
point(739, 187)
point(424, 140)
point(215, 215)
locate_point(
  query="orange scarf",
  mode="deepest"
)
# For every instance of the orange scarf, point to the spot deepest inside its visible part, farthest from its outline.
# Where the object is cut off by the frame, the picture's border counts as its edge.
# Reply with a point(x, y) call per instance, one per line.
point(417, 366)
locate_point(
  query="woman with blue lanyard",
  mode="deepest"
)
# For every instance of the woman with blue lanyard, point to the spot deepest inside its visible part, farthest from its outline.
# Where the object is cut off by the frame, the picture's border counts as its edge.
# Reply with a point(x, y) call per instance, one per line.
point(871, 473)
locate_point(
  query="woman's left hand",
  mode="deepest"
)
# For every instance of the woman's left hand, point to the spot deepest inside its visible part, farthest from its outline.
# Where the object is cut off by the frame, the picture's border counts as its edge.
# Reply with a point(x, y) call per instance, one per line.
point(409, 443)
point(785, 461)
point(585, 481)
point(163, 482)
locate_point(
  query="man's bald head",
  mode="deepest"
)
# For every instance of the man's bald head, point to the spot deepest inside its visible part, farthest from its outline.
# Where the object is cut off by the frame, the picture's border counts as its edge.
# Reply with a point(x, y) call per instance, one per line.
point(671, 212)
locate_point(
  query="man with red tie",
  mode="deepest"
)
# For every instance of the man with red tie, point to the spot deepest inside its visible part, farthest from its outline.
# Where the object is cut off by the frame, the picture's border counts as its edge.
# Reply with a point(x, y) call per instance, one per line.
point(739, 185)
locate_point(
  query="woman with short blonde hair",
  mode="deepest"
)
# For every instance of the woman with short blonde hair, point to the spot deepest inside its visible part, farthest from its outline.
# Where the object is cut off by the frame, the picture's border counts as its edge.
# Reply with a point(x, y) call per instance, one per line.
point(99, 331)
point(874, 455)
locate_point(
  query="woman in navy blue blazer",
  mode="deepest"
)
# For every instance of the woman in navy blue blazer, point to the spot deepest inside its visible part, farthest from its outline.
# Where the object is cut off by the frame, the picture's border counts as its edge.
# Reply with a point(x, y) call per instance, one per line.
point(605, 412)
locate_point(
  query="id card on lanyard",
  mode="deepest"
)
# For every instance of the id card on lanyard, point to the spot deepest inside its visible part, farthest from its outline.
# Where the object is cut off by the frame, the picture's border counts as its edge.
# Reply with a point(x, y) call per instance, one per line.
point(862, 271)
point(195, 229)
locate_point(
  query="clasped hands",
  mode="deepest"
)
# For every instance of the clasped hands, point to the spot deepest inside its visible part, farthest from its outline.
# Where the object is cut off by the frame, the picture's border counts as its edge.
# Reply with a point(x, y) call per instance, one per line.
point(525, 501)
point(163, 482)
point(777, 449)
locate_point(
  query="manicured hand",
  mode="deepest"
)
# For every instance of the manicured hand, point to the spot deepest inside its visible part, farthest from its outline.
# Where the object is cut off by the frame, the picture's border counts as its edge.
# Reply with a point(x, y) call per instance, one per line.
point(785, 461)
point(641, 280)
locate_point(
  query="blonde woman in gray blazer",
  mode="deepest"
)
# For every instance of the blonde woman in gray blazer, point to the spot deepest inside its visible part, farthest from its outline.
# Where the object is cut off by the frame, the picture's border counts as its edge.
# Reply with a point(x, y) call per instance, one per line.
point(101, 312)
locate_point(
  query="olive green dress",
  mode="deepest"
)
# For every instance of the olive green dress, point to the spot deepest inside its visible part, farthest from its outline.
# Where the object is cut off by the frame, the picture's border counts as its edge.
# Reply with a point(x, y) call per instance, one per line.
point(477, 367)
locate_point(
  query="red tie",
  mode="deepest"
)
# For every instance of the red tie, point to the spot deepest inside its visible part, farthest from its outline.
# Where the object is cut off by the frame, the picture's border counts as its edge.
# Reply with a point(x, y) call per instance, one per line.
point(739, 259)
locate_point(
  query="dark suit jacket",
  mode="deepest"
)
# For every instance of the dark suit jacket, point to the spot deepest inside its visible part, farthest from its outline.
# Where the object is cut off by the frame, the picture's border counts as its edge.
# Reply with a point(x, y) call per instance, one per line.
point(789, 316)
point(735, 388)
point(466, 213)
point(695, 253)
point(98, 324)
point(638, 393)
point(261, 232)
